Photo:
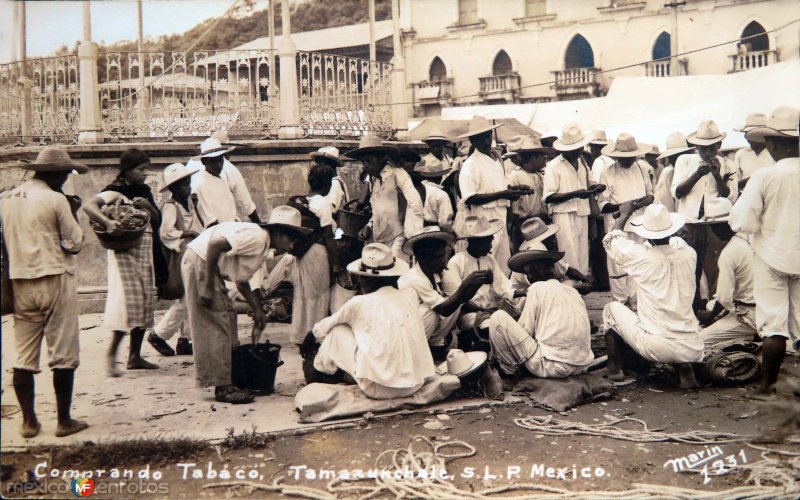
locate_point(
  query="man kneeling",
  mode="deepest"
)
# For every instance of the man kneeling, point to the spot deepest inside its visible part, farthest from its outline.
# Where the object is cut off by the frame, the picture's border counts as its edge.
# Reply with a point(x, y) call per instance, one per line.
point(552, 338)
point(665, 330)
point(377, 338)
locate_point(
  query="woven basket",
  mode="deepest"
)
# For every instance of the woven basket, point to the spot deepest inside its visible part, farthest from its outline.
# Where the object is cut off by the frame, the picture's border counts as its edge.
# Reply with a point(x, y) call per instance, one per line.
point(350, 221)
point(123, 241)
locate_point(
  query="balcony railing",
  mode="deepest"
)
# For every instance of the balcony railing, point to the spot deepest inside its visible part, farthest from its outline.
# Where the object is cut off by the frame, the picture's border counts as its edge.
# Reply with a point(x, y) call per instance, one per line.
point(752, 60)
point(577, 81)
point(500, 87)
point(662, 68)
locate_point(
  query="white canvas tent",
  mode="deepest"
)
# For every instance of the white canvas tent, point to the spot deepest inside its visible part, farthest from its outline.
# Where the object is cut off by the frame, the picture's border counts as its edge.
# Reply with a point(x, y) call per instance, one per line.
point(652, 108)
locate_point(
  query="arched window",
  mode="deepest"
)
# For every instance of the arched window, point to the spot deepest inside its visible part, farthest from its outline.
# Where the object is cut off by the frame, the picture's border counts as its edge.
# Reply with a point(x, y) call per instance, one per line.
point(760, 40)
point(661, 49)
point(579, 54)
point(437, 71)
point(502, 64)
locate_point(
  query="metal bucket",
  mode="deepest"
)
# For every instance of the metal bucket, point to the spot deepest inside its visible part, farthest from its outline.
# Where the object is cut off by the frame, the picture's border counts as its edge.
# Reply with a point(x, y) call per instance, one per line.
point(255, 367)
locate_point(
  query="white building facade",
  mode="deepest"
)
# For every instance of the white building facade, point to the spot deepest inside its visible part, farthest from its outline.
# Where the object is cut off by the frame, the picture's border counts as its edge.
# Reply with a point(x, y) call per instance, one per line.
point(461, 52)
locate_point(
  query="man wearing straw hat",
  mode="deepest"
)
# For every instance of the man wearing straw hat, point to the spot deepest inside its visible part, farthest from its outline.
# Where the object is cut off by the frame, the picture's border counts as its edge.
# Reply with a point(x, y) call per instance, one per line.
point(676, 147)
point(329, 155)
point(625, 180)
point(42, 235)
point(437, 159)
point(552, 338)
point(748, 160)
point(599, 160)
point(376, 339)
point(388, 184)
point(664, 329)
point(484, 187)
point(697, 178)
point(531, 159)
point(440, 291)
point(768, 210)
point(567, 189)
point(437, 209)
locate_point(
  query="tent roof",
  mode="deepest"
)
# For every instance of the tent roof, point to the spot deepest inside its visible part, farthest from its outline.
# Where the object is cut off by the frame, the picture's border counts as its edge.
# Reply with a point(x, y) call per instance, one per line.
point(652, 108)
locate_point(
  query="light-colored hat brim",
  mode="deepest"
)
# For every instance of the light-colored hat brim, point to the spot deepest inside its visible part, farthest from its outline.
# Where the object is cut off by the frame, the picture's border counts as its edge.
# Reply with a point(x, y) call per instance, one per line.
point(508, 155)
point(360, 152)
point(478, 358)
point(398, 269)
point(216, 152)
point(65, 166)
point(479, 131)
point(493, 229)
point(673, 151)
point(713, 220)
point(517, 261)
point(550, 231)
point(639, 151)
point(560, 146)
point(408, 246)
point(693, 139)
point(598, 142)
point(186, 174)
point(436, 138)
point(325, 156)
point(677, 222)
point(304, 231)
point(762, 132)
point(434, 173)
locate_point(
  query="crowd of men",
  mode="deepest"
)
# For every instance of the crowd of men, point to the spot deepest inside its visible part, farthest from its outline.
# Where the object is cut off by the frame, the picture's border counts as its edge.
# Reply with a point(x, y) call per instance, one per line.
point(490, 251)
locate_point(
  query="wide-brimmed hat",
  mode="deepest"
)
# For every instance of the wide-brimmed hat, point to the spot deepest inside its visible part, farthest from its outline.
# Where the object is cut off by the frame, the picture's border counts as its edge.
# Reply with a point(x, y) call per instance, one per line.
point(625, 147)
point(409, 154)
point(716, 210)
point(377, 261)
point(753, 120)
point(599, 138)
point(222, 136)
point(423, 170)
point(371, 145)
point(428, 233)
point(517, 261)
point(783, 122)
point(54, 159)
point(657, 222)
point(436, 136)
point(461, 364)
point(653, 150)
point(529, 144)
point(287, 217)
point(572, 138)
point(478, 125)
point(707, 134)
point(212, 147)
point(478, 226)
point(173, 173)
point(526, 246)
point(676, 144)
point(330, 155)
point(534, 229)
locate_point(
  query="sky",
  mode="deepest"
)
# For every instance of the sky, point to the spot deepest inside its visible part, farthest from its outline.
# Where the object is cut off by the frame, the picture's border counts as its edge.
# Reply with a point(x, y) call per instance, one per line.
point(51, 24)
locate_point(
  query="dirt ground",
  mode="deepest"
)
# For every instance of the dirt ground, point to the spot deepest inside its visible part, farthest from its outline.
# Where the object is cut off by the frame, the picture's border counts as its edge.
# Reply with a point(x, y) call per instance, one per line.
point(504, 453)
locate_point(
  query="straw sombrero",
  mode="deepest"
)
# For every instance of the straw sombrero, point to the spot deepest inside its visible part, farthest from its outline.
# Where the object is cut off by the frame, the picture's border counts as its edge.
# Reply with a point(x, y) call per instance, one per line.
point(54, 159)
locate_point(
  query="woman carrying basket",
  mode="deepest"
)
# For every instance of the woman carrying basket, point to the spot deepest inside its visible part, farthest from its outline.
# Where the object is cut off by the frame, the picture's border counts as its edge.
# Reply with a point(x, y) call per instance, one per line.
point(132, 273)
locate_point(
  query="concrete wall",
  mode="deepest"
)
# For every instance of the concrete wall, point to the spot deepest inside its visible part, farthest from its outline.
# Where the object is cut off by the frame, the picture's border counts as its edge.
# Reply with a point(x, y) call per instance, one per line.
point(618, 37)
point(274, 171)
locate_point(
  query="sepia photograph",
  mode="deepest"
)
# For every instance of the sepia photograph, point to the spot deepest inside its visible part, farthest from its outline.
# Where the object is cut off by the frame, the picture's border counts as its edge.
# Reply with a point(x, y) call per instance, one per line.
point(419, 249)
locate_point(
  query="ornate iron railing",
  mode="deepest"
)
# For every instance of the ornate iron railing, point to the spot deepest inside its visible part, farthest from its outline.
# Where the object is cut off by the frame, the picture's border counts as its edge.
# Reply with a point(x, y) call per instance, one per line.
point(171, 94)
point(752, 60)
point(343, 96)
point(53, 98)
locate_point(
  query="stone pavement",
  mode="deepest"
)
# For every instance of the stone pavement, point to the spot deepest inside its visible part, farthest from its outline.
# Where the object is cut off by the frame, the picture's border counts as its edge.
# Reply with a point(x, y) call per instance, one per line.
point(163, 402)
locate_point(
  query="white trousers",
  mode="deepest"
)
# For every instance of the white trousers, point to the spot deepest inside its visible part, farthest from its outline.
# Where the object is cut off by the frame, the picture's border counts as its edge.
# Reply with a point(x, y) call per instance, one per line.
point(730, 327)
point(437, 327)
point(777, 297)
point(573, 239)
point(174, 321)
point(512, 345)
point(655, 348)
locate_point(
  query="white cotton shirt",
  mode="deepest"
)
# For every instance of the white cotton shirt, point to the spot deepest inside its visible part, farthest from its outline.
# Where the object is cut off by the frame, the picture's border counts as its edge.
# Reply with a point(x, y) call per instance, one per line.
point(665, 281)
point(432, 163)
point(436, 207)
point(623, 184)
point(488, 296)
point(769, 210)
point(561, 177)
point(233, 179)
point(386, 223)
point(746, 161)
point(555, 315)
point(323, 209)
point(530, 204)
point(249, 245)
point(215, 202)
point(482, 174)
point(598, 165)
point(735, 280)
point(429, 295)
point(338, 195)
point(705, 188)
point(392, 349)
